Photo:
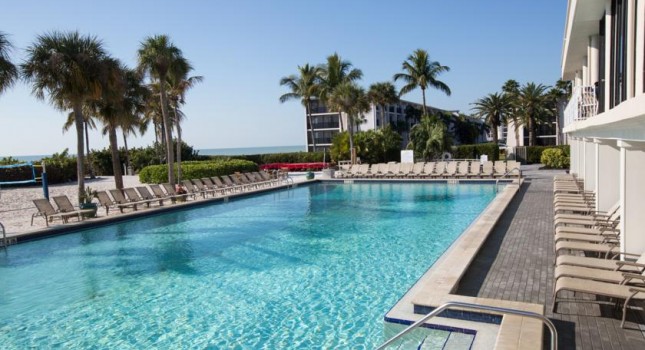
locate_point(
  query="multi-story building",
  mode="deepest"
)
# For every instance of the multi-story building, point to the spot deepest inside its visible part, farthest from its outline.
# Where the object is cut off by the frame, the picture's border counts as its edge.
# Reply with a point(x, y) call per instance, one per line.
point(326, 124)
point(603, 55)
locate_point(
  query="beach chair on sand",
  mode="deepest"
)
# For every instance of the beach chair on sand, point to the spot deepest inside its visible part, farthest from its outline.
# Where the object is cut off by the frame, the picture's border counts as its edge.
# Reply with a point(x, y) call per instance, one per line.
point(610, 290)
point(65, 206)
point(119, 198)
point(106, 202)
point(134, 196)
point(145, 194)
point(47, 211)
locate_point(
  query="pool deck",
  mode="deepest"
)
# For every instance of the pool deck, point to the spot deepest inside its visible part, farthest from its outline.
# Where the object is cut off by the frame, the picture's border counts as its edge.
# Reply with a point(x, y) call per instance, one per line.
point(516, 264)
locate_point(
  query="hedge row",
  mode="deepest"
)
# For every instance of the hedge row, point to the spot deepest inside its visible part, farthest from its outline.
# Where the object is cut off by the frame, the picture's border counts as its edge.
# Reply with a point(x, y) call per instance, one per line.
point(293, 157)
point(476, 150)
point(534, 153)
point(196, 170)
point(555, 158)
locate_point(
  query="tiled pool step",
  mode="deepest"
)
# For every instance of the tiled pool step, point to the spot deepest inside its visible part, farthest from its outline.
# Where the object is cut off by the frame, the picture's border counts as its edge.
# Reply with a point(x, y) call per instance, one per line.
point(430, 338)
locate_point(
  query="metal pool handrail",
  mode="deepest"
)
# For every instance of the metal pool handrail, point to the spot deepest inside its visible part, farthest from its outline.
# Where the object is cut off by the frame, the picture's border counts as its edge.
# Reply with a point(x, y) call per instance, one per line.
point(4, 236)
point(435, 312)
point(519, 174)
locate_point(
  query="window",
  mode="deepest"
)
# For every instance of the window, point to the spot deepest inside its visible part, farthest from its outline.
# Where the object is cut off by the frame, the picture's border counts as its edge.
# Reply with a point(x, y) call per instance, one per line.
point(618, 47)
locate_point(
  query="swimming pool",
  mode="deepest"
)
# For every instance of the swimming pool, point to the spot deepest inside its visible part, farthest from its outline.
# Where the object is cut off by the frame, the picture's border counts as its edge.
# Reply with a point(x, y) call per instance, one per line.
point(312, 267)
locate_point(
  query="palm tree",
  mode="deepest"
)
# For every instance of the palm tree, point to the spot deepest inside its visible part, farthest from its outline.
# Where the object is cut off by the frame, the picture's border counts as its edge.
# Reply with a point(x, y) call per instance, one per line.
point(382, 94)
point(532, 107)
point(158, 56)
point(135, 96)
point(180, 83)
point(511, 89)
point(492, 109)
point(350, 99)
point(304, 87)
point(70, 69)
point(88, 123)
point(334, 73)
point(8, 71)
point(429, 137)
point(556, 98)
point(420, 72)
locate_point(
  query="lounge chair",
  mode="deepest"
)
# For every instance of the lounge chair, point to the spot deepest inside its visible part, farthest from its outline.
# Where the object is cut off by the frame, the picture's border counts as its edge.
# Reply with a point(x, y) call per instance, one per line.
point(160, 194)
point(462, 169)
point(451, 169)
point(47, 211)
point(188, 185)
point(417, 170)
point(120, 199)
point(267, 177)
point(610, 290)
point(202, 188)
point(361, 171)
point(217, 181)
point(229, 182)
point(106, 202)
point(439, 170)
point(602, 249)
point(475, 169)
point(133, 196)
point(145, 194)
point(373, 170)
point(65, 206)
point(255, 177)
point(487, 169)
point(637, 266)
point(405, 170)
point(170, 189)
point(500, 168)
point(513, 167)
point(213, 186)
point(393, 170)
point(591, 215)
point(588, 221)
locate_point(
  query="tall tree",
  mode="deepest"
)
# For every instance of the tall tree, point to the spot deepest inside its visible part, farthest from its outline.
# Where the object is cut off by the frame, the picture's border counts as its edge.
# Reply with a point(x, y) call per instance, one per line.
point(532, 107)
point(335, 72)
point(70, 69)
point(180, 83)
point(157, 56)
point(88, 123)
point(492, 109)
point(8, 71)
point(420, 72)
point(382, 94)
point(429, 137)
point(303, 86)
point(350, 99)
point(511, 89)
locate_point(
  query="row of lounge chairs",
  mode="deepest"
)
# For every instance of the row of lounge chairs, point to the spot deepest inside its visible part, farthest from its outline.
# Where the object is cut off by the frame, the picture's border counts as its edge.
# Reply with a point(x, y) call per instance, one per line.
point(436, 170)
point(144, 196)
point(587, 244)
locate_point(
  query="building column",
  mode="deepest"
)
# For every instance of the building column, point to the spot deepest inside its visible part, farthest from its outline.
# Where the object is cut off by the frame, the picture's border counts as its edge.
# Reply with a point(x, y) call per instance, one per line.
point(630, 52)
point(594, 57)
point(590, 164)
point(607, 174)
point(640, 49)
point(572, 157)
point(608, 46)
point(582, 145)
point(585, 71)
point(632, 192)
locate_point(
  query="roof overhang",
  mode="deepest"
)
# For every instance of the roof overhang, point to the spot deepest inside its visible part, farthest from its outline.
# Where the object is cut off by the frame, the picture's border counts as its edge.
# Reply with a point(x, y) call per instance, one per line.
point(582, 22)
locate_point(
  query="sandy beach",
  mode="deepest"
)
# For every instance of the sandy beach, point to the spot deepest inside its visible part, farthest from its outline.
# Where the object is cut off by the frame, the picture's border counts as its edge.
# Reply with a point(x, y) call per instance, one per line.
point(16, 206)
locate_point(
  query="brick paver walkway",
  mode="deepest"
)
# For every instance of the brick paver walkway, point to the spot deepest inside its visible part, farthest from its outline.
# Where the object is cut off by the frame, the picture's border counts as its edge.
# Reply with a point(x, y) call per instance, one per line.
point(516, 263)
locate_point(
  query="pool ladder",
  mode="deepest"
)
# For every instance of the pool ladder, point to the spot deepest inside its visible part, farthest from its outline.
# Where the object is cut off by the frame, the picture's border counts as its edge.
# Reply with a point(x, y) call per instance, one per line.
point(519, 174)
point(454, 304)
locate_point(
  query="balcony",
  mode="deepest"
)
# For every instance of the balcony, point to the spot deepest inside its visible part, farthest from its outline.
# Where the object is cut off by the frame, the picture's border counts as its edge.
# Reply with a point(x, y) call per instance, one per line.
point(583, 105)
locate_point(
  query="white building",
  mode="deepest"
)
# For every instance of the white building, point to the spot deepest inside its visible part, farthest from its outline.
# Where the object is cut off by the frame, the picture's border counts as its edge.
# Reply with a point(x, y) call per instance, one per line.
point(605, 118)
point(326, 124)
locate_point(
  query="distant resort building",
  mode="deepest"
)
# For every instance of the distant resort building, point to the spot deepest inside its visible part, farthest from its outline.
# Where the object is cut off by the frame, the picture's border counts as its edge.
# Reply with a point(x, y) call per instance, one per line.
point(326, 124)
point(603, 55)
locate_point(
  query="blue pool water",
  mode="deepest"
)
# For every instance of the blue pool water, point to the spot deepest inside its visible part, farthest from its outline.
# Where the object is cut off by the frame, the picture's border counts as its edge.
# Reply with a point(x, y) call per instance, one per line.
point(313, 267)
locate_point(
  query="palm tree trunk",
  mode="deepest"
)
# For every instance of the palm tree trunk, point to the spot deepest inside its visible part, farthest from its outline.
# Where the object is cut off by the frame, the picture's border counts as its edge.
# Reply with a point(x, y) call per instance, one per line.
point(531, 141)
point(87, 151)
point(178, 150)
point(423, 93)
point(494, 132)
point(80, 149)
point(127, 152)
point(116, 160)
point(168, 133)
point(516, 126)
point(352, 151)
point(340, 120)
point(557, 123)
point(311, 125)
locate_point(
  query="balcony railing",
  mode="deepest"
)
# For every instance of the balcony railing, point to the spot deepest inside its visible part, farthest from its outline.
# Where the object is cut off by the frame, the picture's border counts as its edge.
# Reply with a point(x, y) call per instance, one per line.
point(583, 104)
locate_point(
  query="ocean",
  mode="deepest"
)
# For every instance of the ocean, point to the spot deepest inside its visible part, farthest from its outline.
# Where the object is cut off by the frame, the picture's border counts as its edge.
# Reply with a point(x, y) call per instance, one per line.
point(207, 152)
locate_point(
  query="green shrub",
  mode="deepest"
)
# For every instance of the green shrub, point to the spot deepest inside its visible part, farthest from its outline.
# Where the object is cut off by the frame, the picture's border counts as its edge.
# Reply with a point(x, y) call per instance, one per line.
point(554, 158)
point(196, 170)
point(372, 146)
point(476, 150)
point(292, 157)
point(534, 153)
point(61, 167)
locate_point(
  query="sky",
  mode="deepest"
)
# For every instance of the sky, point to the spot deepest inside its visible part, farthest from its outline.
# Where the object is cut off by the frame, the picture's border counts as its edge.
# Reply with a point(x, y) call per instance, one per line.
point(242, 48)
